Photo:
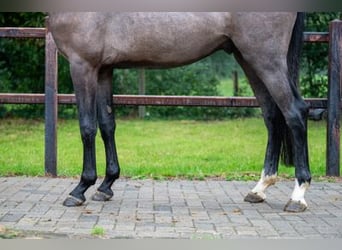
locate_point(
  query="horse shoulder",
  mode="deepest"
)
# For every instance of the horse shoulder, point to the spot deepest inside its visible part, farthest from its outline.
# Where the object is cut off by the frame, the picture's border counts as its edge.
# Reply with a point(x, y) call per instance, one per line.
point(79, 35)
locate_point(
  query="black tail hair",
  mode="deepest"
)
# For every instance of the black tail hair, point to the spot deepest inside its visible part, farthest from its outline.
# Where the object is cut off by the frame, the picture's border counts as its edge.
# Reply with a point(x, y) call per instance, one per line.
point(293, 63)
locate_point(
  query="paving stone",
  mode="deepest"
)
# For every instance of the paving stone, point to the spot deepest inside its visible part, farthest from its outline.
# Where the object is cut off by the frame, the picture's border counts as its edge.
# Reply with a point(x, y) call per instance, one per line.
point(182, 209)
point(12, 217)
point(246, 231)
point(88, 218)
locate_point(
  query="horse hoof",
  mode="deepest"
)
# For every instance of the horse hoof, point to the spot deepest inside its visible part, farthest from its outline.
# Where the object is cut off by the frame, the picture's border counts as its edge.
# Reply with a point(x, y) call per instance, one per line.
point(295, 206)
point(253, 198)
point(101, 196)
point(72, 201)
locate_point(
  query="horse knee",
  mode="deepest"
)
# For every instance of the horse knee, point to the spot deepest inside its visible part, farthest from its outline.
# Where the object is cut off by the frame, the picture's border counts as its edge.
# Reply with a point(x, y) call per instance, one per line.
point(88, 132)
point(107, 127)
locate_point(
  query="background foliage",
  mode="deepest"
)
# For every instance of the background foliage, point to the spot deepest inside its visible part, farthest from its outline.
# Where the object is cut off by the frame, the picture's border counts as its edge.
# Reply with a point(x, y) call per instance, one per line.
point(22, 71)
point(314, 79)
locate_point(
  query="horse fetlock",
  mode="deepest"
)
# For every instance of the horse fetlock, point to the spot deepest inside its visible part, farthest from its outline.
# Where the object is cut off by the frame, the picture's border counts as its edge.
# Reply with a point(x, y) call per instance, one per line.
point(113, 174)
point(299, 190)
point(88, 180)
point(264, 182)
point(304, 178)
point(269, 180)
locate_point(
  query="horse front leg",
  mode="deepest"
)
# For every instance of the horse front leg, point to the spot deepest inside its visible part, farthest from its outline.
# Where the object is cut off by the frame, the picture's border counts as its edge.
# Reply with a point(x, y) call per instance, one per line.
point(107, 126)
point(85, 81)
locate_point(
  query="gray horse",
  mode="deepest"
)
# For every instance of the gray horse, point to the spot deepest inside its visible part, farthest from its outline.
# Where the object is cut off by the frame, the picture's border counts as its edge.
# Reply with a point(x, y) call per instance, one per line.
point(266, 45)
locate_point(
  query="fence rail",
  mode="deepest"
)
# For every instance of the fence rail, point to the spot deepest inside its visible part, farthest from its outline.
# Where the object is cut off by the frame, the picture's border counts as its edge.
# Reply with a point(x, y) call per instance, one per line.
point(8, 32)
point(155, 100)
point(51, 98)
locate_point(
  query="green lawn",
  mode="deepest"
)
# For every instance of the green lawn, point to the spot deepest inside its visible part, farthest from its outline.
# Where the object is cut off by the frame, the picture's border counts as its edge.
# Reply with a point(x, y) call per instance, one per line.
point(232, 149)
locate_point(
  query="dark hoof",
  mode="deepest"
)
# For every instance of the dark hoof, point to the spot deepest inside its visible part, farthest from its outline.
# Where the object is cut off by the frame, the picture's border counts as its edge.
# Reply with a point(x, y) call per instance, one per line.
point(253, 198)
point(295, 207)
point(72, 201)
point(100, 196)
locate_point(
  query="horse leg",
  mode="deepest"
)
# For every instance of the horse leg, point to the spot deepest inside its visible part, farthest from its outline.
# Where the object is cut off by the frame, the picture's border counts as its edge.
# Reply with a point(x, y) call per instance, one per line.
point(85, 80)
point(107, 127)
point(298, 125)
point(294, 110)
point(274, 122)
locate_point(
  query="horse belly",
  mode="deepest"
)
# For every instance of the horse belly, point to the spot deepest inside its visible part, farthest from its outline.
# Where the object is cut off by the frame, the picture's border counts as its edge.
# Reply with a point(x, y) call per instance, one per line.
point(164, 39)
point(163, 57)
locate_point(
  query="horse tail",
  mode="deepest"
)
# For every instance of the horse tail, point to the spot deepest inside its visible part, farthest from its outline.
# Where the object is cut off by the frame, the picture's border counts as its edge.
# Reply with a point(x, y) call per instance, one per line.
point(293, 63)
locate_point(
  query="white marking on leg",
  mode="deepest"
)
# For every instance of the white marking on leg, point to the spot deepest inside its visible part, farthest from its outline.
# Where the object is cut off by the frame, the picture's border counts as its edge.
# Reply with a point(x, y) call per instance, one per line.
point(264, 183)
point(299, 192)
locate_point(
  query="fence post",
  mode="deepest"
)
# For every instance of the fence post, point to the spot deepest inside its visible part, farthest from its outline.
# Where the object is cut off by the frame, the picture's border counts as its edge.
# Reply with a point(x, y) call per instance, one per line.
point(51, 104)
point(235, 83)
point(334, 99)
point(141, 80)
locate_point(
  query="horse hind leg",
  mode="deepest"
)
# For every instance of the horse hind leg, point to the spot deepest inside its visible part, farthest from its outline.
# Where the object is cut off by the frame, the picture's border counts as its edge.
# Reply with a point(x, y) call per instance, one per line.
point(274, 123)
point(269, 61)
point(107, 126)
point(298, 126)
point(275, 127)
point(294, 111)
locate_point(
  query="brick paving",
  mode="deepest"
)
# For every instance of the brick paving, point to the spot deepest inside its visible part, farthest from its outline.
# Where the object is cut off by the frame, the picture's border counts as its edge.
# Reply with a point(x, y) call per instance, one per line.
point(182, 209)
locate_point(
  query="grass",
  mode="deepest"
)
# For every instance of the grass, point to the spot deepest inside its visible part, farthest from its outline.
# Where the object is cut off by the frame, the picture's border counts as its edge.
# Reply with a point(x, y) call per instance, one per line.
point(6, 233)
point(98, 231)
point(232, 149)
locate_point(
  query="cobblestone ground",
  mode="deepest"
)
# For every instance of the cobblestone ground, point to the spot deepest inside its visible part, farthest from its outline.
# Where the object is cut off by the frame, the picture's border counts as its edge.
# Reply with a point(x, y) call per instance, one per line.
point(169, 209)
